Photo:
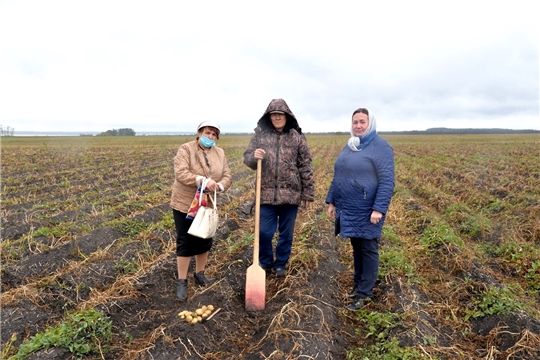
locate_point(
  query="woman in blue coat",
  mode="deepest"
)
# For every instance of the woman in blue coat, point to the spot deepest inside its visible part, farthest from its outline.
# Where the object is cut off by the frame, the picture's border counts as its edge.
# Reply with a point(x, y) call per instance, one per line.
point(359, 198)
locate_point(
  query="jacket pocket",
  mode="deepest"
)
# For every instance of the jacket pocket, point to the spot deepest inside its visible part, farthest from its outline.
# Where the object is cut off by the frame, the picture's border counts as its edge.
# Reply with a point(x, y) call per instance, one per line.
point(360, 189)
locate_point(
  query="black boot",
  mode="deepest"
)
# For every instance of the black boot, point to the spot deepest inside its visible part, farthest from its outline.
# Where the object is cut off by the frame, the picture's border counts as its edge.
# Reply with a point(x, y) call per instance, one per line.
point(181, 289)
point(200, 279)
point(357, 304)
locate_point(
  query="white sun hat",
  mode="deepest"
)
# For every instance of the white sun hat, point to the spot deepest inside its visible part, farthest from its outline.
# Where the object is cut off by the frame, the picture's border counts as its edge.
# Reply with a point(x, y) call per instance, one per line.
point(209, 123)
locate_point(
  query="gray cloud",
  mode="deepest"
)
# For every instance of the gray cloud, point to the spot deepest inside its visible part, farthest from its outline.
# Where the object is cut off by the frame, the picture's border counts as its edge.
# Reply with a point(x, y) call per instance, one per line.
point(166, 67)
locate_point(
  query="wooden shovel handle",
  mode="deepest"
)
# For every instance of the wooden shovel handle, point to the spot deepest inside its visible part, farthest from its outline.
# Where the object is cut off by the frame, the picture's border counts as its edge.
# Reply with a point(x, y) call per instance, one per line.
point(257, 213)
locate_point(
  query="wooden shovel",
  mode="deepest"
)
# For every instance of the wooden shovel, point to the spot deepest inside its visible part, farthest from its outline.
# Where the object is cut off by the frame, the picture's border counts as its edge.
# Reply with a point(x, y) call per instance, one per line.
point(256, 276)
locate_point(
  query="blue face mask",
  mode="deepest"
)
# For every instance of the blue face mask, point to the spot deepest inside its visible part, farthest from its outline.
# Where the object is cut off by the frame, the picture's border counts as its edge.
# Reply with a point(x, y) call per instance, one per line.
point(206, 142)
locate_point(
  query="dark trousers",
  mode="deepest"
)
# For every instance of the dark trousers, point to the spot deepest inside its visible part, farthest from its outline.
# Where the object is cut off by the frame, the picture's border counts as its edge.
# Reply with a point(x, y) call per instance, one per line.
point(366, 265)
point(282, 218)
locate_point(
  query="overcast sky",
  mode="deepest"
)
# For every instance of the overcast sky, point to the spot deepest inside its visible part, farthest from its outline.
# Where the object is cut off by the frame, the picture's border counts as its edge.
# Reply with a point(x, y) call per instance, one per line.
point(168, 65)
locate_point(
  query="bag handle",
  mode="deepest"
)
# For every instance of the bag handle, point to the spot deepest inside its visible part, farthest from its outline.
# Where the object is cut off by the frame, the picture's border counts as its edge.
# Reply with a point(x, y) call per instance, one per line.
point(203, 186)
point(213, 200)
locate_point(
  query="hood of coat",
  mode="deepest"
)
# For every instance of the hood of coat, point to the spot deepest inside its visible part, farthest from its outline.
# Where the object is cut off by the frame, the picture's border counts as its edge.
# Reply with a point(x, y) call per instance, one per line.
point(265, 123)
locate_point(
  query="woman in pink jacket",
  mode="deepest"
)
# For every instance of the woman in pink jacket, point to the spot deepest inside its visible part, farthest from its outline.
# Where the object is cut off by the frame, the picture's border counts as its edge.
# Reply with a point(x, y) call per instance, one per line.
point(194, 161)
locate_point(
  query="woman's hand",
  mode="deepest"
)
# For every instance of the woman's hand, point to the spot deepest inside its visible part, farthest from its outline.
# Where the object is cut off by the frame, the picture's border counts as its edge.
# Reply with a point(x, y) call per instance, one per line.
point(331, 211)
point(211, 185)
point(376, 216)
point(305, 204)
point(259, 154)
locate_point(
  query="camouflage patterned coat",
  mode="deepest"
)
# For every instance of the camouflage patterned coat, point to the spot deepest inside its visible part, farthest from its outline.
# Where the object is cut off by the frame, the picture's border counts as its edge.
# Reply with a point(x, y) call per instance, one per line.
point(287, 173)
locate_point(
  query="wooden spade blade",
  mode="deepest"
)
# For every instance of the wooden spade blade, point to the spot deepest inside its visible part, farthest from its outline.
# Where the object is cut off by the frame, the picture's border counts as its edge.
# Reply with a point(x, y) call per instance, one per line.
point(255, 288)
point(256, 276)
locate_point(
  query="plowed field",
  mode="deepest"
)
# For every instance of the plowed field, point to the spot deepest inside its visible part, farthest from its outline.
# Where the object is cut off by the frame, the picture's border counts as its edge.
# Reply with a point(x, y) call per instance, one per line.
point(88, 267)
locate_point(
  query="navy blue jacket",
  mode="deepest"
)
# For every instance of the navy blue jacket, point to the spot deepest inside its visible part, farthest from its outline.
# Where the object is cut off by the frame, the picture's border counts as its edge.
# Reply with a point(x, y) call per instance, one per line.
point(363, 181)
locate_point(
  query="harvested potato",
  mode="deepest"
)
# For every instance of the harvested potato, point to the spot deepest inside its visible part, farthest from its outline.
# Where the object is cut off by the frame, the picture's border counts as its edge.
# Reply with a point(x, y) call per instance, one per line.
point(197, 316)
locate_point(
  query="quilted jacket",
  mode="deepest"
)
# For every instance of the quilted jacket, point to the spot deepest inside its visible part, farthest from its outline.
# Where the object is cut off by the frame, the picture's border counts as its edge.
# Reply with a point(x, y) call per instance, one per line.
point(363, 181)
point(189, 163)
point(287, 173)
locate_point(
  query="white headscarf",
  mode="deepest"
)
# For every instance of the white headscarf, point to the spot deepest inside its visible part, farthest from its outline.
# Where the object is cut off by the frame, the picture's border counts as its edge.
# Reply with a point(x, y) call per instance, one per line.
point(355, 141)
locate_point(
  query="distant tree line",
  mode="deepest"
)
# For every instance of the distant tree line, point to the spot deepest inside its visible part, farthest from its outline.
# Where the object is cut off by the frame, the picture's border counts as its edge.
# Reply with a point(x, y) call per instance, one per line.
point(435, 131)
point(7, 131)
point(438, 131)
point(479, 131)
point(119, 132)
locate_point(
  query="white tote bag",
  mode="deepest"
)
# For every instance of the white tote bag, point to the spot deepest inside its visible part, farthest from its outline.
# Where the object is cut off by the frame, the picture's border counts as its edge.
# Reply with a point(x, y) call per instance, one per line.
point(205, 223)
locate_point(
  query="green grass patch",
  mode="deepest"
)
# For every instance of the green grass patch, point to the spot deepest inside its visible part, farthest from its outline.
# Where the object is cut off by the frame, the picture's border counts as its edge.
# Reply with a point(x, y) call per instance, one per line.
point(127, 266)
point(376, 327)
point(84, 333)
point(438, 235)
point(234, 244)
point(494, 301)
point(394, 261)
point(532, 275)
point(130, 228)
point(466, 222)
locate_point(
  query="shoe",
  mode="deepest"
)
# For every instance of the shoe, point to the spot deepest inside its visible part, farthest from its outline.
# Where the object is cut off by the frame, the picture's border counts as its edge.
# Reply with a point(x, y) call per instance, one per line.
point(201, 279)
point(352, 293)
point(280, 272)
point(356, 305)
point(181, 290)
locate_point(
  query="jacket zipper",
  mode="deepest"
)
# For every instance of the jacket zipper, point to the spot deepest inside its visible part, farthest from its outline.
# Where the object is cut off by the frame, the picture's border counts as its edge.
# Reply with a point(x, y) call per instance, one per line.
point(276, 171)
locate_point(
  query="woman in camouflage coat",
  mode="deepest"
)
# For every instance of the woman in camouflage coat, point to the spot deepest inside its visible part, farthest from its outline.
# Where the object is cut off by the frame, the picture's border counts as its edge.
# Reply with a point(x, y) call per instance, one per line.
point(287, 180)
